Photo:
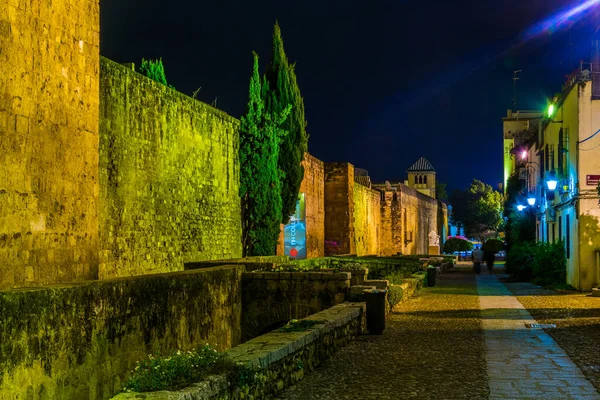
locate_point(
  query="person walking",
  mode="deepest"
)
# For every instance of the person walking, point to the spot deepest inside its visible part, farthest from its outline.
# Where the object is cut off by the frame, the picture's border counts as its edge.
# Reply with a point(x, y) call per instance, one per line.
point(477, 260)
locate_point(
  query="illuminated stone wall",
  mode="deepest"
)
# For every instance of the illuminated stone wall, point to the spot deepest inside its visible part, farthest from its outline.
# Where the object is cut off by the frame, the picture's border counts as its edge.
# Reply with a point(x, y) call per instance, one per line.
point(339, 209)
point(367, 220)
point(313, 187)
point(169, 181)
point(48, 141)
point(82, 341)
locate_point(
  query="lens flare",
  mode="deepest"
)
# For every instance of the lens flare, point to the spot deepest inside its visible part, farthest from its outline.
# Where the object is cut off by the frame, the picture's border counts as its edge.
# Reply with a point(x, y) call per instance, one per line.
point(563, 18)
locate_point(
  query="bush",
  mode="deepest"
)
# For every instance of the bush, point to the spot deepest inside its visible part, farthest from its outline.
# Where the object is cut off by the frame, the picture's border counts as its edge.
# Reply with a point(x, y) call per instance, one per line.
point(453, 245)
point(181, 369)
point(520, 260)
point(394, 295)
point(493, 246)
point(550, 265)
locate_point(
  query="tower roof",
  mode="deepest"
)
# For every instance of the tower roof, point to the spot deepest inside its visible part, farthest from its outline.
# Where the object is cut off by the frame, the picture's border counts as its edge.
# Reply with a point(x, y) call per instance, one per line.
point(422, 165)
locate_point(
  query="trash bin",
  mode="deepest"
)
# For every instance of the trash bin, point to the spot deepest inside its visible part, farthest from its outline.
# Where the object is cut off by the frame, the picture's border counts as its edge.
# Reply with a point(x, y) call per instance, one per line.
point(376, 300)
point(431, 272)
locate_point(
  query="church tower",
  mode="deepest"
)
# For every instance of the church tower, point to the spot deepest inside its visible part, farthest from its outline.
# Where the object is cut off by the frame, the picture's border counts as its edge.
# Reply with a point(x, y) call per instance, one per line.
point(421, 176)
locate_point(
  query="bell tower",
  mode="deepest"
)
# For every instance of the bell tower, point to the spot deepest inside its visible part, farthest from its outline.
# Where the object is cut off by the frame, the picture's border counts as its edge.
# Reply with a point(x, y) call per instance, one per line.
point(421, 176)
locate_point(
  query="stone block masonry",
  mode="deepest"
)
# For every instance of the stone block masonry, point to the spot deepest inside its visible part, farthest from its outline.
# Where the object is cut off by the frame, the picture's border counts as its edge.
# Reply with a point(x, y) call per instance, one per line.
point(49, 95)
point(169, 177)
point(82, 341)
point(339, 208)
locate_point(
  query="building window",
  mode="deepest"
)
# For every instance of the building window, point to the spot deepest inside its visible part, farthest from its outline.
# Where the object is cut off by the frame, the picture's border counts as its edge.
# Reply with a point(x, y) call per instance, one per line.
point(425, 179)
point(420, 179)
point(568, 236)
point(560, 228)
point(416, 180)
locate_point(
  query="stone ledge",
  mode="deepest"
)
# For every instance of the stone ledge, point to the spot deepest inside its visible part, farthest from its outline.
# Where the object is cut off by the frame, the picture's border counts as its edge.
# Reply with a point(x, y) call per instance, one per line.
point(264, 350)
point(211, 387)
point(314, 276)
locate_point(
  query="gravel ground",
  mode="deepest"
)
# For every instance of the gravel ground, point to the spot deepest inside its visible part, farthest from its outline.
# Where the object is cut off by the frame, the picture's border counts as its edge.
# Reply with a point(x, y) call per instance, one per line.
point(434, 348)
point(577, 319)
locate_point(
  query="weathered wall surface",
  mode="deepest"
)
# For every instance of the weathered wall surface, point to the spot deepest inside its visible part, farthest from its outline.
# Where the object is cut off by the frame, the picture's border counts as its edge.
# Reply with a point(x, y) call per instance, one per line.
point(48, 141)
point(80, 342)
point(313, 186)
point(169, 177)
point(367, 220)
point(339, 208)
point(271, 299)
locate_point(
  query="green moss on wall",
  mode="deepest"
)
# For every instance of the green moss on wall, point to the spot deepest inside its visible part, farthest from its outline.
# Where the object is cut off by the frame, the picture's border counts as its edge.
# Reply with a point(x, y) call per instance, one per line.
point(81, 341)
point(169, 177)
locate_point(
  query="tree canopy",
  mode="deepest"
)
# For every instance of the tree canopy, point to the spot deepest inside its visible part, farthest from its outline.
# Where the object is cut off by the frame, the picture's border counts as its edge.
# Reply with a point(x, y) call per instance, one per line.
point(283, 93)
point(478, 210)
point(260, 177)
point(154, 70)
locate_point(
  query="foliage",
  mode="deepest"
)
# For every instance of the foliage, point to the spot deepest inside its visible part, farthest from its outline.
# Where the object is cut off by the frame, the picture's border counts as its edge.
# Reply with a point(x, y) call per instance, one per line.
point(484, 211)
point(298, 326)
point(520, 227)
point(154, 70)
point(440, 191)
point(453, 245)
point(394, 295)
point(493, 246)
point(395, 278)
point(181, 369)
point(550, 266)
point(520, 260)
point(459, 202)
point(544, 263)
point(260, 177)
point(284, 92)
point(353, 266)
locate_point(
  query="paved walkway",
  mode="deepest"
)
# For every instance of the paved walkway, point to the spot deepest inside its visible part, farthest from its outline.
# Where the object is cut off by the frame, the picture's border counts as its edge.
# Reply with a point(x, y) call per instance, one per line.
point(523, 362)
point(465, 338)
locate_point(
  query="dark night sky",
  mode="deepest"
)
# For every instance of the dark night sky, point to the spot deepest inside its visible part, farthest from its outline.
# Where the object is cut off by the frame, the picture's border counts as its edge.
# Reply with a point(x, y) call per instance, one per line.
point(384, 82)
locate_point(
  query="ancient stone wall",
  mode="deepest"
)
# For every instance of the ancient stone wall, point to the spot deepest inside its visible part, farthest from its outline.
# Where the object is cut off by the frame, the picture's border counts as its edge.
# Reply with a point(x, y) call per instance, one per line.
point(49, 55)
point(339, 208)
point(367, 220)
point(313, 187)
point(169, 177)
point(81, 341)
point(421, 217)
point(271, 299)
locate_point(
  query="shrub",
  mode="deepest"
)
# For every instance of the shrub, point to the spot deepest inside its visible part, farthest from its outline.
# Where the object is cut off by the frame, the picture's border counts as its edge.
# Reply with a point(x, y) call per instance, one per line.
point(493, 246)
point(181, 369)
point(550, 265)
point(353, 266)
point(394, 295)
point(154, 70)
point(455, 244)
point(520, 260)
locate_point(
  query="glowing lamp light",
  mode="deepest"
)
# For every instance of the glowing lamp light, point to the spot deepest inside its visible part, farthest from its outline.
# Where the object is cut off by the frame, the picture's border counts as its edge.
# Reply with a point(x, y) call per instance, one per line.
point(523, 154)
point(551, 110)
point(520, 207)
point(552, 184)
point(531, 201)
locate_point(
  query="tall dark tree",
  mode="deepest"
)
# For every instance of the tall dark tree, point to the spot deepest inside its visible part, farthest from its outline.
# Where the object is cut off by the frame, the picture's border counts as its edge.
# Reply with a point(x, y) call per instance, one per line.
point(260, 177)
point(284, 92)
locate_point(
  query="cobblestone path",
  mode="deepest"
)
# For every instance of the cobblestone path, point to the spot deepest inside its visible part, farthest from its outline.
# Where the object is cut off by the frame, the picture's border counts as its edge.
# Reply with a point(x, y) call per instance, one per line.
point(465, 338)
point(524, 363)
point(433, 349)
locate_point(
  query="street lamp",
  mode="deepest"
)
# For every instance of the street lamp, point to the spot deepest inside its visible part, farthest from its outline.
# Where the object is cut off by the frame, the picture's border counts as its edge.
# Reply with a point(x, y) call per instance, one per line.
point(551, 182)
point(531, 201)
point(551, 110)
point(521, 207)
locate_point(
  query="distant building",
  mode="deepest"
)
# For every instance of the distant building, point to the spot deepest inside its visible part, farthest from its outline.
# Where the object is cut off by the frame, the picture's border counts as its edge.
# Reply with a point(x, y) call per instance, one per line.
point(421, 176)
point(519, 127)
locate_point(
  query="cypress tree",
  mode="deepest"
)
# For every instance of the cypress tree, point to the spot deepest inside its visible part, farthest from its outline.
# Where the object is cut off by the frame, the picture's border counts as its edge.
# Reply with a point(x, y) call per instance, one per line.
point(284, 92)
point(260, 178)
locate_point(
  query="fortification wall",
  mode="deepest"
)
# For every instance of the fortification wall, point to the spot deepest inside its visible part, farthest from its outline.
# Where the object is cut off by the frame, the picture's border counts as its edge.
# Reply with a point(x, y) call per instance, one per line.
point(82, 341)
point(169, 181)
point(49, 141)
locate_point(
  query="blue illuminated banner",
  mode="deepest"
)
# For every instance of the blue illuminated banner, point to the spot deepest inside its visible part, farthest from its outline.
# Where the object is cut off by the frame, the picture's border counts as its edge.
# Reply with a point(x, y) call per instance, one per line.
point(294, 233)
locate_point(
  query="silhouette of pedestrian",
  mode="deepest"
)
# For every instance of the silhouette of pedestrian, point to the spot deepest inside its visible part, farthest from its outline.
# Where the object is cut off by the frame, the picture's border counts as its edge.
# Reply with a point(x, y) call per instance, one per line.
point(477, 260)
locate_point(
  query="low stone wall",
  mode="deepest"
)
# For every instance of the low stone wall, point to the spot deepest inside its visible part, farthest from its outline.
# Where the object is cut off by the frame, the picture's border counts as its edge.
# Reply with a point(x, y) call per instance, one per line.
point(281, 359)
point(81, 341)
point(263, 263)
point(271, 299)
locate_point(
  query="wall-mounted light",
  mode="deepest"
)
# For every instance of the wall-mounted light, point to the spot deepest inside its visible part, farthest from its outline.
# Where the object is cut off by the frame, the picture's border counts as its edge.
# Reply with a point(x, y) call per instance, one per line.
point(523, 154)
point(531, 201)
point(550, 110)
point(521, 207)
point(552, 182)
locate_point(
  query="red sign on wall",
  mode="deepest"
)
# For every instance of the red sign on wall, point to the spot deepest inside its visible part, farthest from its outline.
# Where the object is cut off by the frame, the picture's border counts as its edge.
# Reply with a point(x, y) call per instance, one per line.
point(592, 180)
